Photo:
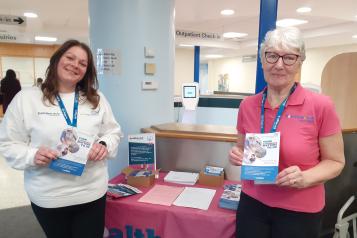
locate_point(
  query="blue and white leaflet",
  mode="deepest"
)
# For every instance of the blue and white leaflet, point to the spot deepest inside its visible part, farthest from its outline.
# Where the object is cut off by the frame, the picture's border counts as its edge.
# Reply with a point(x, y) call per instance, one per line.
point(261, 157)
point(73, 149)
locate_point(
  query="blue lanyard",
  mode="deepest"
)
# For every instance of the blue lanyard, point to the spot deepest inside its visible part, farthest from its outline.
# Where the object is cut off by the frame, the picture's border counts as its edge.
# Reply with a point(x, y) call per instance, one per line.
point(64, 111)
point(278, 115)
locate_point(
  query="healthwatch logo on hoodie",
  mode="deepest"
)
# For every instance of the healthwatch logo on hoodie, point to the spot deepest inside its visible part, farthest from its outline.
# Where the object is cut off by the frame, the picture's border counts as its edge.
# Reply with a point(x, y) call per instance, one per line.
point(129, 232)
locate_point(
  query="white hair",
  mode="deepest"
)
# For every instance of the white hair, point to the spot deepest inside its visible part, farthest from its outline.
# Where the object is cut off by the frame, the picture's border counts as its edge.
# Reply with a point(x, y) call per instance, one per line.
point(286, 38)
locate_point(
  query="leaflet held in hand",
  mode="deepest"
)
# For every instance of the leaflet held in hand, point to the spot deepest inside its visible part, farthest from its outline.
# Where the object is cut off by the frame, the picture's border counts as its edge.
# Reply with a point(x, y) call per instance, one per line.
point(261, 157)
point(73, 149)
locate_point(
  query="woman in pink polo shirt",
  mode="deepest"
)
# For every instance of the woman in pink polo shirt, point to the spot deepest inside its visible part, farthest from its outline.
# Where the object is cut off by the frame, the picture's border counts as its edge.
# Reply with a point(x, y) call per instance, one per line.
point(311, 146)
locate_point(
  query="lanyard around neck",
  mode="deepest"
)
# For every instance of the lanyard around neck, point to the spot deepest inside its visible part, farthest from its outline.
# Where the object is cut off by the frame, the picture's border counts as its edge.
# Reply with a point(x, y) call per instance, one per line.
point(64, 111)
point(278, 115)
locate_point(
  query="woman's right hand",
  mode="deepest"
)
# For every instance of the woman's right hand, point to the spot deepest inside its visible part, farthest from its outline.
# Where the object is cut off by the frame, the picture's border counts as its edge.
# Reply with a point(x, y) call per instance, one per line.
point(236, 156)
point(44, 156)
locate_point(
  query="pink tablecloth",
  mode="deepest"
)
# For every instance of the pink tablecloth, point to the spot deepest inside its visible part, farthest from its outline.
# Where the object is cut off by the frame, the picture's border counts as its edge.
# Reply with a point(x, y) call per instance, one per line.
point(128, 218)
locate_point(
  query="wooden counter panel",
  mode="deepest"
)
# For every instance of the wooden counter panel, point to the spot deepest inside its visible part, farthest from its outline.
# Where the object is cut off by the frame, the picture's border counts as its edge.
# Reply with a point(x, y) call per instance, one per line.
point(195, 132)
point(201, 132)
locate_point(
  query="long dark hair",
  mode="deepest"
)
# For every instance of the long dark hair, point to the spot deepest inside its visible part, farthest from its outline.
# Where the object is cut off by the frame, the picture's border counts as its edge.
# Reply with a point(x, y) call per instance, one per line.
point(10, 74)
point(88, 86)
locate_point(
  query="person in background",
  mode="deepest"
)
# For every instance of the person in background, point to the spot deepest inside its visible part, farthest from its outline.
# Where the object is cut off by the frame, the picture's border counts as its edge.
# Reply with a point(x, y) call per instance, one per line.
point(39, 82)
point(65, 205)
point(10, 86)
point(311, 146)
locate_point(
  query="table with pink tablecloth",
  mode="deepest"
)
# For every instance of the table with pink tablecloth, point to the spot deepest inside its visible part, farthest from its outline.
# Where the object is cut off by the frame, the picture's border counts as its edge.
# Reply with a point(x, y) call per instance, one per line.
point(128, 218)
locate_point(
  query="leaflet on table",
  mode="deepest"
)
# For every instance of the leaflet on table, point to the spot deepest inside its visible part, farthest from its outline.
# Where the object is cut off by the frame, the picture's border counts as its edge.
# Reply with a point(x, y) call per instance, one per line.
point(213, 170)
point(142, 152)
point(121, 190)
point(230, 196)
point(261, 157)
point(73, 149)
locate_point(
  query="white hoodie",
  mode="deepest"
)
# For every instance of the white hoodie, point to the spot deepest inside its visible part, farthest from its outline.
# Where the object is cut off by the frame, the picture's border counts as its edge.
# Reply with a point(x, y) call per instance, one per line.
point(29, 123)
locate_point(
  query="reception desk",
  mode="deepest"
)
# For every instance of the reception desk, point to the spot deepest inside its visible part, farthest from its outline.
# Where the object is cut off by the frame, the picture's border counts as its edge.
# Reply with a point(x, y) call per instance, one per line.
point(126, 217)
point(189, 147)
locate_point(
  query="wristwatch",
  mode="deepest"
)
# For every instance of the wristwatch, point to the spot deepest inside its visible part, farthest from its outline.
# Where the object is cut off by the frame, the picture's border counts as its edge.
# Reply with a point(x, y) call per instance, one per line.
point(103, 143)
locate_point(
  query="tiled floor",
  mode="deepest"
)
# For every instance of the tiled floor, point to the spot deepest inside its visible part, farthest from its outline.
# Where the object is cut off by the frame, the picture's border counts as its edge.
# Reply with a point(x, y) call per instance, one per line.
point(16, 217)
point(12, 187)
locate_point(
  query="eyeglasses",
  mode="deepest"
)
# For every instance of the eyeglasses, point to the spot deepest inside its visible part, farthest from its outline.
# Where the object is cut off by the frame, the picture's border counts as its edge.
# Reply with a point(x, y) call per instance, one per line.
point(288, 59)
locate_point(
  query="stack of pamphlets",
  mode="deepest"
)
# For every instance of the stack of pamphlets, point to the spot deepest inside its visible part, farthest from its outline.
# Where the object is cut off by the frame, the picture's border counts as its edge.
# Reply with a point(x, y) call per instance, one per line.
point(121, 190)
point(141, 173)
point(230, 196)
point(214, 171)
point(181, 177)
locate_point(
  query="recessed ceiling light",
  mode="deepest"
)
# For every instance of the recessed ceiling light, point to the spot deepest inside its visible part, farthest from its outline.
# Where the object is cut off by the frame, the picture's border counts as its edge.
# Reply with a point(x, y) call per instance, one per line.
point(354, 36)
point(227, 12)
point(45, 38)
point(234, 35)
point(303, 9)
point(290, 22)
point(213, 56)
point(30, 14)
point(185, 45)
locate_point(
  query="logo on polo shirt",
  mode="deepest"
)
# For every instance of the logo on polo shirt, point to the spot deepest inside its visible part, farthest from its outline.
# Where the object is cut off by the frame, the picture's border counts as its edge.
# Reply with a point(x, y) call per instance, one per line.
point(301, 118)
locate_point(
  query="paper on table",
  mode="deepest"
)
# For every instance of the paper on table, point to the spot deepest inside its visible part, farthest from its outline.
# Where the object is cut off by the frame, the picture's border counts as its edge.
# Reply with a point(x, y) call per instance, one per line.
point(181, 177)
point(195, 197)
point(162, 195)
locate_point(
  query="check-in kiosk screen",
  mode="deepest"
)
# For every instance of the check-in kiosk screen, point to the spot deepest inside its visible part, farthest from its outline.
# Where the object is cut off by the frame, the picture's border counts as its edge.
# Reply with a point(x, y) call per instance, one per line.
point(189, 91)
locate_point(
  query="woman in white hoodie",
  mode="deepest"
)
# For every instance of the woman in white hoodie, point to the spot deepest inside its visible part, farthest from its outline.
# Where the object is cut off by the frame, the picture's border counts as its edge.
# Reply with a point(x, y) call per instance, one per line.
point(64, 204)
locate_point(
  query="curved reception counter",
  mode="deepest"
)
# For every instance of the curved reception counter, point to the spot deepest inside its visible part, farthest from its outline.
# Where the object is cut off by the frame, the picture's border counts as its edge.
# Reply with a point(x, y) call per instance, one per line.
point(190, 147)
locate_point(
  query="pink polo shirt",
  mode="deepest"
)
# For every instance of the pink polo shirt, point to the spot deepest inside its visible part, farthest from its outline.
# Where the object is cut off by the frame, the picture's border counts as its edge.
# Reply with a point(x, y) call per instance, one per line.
point(307, 117)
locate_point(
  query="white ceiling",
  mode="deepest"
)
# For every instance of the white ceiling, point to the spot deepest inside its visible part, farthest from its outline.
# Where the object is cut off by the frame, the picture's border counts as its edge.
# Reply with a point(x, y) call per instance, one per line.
point(331, 22)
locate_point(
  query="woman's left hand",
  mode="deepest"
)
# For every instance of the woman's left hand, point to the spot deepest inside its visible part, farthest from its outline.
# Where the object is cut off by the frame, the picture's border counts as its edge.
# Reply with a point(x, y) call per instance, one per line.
point(98, 152)
point(291, 177)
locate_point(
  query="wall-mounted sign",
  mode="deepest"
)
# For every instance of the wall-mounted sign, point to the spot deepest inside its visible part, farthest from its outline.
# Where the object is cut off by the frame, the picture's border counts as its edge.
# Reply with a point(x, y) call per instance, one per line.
point(108, 61)
point(7, 37)
point(14, 37)
point(198, 35)
point(13, 20)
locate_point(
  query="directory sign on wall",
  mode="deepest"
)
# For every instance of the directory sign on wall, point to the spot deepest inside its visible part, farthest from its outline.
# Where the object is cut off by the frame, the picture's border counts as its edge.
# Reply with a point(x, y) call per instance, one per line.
point(108, 61)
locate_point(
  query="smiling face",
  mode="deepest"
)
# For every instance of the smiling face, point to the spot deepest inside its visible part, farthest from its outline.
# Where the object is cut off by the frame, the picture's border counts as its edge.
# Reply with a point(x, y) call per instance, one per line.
point(71, 68)
point(279, 75)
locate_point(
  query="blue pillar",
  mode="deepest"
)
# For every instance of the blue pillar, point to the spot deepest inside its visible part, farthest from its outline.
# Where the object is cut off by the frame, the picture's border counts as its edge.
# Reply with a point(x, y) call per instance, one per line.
point(196, 70)
point(129, 26)
point(267, 20)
